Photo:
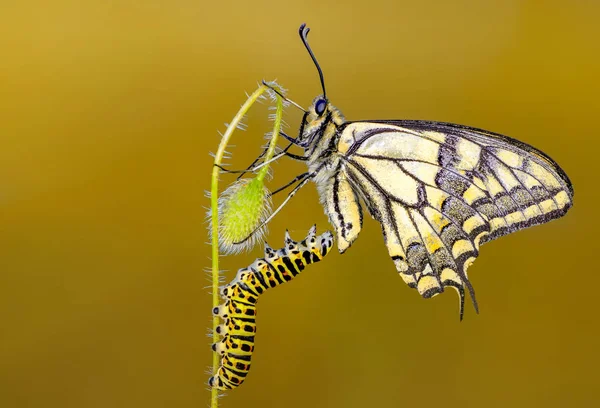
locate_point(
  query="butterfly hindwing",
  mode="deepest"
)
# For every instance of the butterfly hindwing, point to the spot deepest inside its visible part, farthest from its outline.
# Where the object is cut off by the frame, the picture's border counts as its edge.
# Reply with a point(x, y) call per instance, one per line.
point(441, 190)
point(431, 241)
point(344, 210)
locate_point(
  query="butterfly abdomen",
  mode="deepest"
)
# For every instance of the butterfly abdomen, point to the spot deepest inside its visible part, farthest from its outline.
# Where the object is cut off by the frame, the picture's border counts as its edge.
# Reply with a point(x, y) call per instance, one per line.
point(241, 295)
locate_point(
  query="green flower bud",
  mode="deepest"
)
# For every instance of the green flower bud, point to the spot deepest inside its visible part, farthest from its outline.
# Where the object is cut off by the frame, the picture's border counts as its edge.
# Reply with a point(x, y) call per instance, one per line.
point(243, 207)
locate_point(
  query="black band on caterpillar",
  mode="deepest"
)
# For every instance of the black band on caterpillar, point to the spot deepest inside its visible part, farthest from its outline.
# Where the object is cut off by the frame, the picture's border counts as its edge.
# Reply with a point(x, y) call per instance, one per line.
point(241, 295)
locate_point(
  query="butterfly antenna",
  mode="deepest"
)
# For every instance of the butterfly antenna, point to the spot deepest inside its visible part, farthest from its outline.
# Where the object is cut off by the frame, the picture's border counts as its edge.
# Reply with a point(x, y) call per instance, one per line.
point(304, 30)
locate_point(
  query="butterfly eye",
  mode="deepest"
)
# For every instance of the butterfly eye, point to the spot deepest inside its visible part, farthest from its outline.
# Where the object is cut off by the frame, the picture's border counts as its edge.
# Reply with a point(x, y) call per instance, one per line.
point(320, 106)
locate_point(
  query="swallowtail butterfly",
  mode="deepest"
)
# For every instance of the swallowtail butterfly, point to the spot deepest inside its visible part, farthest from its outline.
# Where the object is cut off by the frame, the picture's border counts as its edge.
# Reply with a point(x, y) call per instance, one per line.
point(439, 190)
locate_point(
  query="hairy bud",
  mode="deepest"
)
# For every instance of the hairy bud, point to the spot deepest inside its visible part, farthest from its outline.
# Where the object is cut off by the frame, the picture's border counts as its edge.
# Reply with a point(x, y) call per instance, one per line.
point(243, 207)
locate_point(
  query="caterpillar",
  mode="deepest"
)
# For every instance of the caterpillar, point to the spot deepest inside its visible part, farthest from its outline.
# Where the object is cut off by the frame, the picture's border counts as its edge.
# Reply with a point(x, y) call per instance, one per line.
point(241, 295)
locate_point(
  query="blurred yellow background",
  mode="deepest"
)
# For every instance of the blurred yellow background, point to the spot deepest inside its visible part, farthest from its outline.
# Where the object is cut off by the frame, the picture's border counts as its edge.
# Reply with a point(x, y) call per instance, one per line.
point(108, 113)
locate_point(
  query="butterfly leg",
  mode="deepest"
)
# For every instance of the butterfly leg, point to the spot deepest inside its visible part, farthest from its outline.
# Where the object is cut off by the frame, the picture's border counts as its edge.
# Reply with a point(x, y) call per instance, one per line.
point(292, 140)
point(253, 167)
point(302, 183)
point(260, 156)
point(299, 177)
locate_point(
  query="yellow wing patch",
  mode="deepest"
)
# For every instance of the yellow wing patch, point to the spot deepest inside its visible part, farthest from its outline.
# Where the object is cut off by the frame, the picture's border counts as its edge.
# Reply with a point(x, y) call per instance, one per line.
point(344, 211)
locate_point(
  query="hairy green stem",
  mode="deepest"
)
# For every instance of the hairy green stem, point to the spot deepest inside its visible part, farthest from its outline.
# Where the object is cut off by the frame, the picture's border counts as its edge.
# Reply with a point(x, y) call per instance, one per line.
point(273, 143)
point(214, 196)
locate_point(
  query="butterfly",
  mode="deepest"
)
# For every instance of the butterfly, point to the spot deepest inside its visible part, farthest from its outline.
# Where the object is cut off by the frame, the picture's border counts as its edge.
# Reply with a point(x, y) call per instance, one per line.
point(439, 190)
point(241, 295)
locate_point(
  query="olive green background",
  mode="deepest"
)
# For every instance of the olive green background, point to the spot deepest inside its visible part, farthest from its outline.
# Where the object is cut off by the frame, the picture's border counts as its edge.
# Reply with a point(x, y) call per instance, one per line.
point(108, 112)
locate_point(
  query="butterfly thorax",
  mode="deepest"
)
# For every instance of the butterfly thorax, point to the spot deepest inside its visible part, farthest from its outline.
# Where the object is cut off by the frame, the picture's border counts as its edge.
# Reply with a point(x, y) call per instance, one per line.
point(320, 137)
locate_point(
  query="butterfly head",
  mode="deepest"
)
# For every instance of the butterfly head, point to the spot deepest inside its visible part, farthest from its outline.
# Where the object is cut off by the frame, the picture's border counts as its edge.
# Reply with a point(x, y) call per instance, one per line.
point(319, 106)
point(316, 119)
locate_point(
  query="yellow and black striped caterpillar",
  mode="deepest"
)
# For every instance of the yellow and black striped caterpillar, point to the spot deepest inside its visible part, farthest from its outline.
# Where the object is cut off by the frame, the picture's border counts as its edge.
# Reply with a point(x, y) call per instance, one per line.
point(241, 296)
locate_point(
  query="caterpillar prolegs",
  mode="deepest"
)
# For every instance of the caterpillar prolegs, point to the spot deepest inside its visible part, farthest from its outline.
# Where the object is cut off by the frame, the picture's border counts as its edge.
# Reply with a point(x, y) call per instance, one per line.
point(241, 295)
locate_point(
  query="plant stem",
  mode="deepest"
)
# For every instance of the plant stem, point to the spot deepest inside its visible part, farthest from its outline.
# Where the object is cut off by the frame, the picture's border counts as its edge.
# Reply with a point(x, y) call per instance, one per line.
point(273, 143)
point(214, 196)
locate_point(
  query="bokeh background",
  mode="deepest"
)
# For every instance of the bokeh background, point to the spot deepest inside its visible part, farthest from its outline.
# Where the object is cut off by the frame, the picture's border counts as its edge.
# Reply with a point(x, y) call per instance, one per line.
point(107, 116)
